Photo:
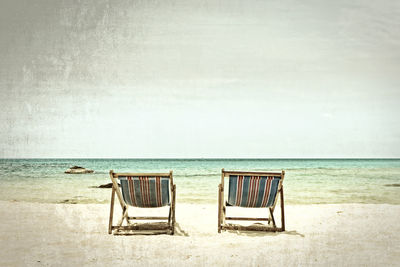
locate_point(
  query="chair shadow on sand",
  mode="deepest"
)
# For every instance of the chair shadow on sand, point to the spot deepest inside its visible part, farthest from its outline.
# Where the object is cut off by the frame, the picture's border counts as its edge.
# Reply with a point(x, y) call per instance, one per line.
point(151, 228)
point(241, 230)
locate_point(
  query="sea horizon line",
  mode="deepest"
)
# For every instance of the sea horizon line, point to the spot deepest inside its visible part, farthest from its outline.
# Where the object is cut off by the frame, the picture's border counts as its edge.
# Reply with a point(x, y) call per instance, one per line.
point(202, 158)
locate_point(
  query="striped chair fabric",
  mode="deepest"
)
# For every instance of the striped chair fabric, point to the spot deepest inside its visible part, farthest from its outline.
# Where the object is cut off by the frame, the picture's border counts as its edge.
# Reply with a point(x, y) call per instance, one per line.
point(145, 192)
point(252, 191)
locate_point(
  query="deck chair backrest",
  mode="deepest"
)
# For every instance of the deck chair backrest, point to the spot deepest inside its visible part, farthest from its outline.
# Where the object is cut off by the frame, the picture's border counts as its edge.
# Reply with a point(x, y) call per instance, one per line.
point(145, 191)
point(252, 191)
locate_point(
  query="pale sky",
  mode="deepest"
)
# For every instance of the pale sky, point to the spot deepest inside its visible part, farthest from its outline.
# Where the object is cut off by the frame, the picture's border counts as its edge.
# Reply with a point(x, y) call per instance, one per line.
point(200, 78)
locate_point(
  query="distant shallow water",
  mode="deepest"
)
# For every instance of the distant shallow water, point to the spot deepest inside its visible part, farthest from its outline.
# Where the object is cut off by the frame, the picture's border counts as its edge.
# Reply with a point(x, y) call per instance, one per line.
point(307, 181)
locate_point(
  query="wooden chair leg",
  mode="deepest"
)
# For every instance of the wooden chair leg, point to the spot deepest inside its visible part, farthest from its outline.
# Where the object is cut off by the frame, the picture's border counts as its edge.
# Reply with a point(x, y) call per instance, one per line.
point(271, 212)
point(223, 212)
point(173, 210)
point(169, 215)
point(282, 210)
point(219, 209)
point(111, 210)
point(269, 216)
point(124, 214)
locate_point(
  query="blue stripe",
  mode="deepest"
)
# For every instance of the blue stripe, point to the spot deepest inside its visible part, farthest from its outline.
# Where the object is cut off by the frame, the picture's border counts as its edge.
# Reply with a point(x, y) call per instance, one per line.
point(125, 191)
point(138, 192)
point(153, 192)
point(261, 189)
point(164, 187)
point(245, 191)
point(233, 179)
point(272, 193)
point(164, 191)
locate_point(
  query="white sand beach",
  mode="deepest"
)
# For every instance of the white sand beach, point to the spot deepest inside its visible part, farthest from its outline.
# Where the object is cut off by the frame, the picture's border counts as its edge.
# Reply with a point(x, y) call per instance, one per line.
point(200, 88)
point(34, 234)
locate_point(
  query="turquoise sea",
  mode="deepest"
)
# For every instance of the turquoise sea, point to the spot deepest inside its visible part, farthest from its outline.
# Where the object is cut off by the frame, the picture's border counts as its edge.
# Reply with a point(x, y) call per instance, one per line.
point(307, 181)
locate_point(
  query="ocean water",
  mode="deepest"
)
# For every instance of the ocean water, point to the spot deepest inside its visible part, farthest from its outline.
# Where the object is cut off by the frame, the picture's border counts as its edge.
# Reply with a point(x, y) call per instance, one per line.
point(307, 181)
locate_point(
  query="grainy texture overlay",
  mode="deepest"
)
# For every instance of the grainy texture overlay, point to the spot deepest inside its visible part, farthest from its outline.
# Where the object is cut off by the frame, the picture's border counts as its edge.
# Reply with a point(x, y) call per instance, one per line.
point(316, 235)
point(309, 78)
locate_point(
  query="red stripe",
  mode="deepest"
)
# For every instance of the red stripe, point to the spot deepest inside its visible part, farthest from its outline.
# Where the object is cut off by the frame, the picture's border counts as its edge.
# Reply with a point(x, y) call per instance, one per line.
point(145, 191)
point(250, 193)
point(131, 191)
point(148, 191)
point(266, 191)
point(145, 180)
point(269, 188)
point(251, 187)
point(256, 186)
point(256, 181)
point(158, 188)
point(142, 191)
point(159, 191)
point(239, 190)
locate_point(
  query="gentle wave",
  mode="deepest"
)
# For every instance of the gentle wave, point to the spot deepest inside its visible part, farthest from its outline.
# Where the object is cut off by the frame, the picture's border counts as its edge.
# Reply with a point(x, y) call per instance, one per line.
point(306, 181)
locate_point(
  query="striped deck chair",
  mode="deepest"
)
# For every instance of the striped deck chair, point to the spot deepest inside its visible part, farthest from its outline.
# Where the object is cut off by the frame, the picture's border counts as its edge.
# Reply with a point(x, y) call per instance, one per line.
point(142, 190)
point(251, 190)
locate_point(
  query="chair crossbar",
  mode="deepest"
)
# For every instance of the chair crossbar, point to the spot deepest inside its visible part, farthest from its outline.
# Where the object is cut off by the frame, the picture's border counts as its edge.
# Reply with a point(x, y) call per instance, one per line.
point(138, 227)
point(143, 232)
point(251, 228)
point(246, 219)
point(166, 175)
point(147, 218)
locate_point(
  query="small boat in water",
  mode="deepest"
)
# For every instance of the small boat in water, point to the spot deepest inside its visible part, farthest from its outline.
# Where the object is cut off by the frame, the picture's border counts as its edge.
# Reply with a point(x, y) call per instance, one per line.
point(78, 170)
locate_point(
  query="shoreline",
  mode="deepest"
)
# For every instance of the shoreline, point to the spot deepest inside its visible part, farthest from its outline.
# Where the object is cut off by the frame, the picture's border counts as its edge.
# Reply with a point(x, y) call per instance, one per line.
point(73, 202)
point(316, 234)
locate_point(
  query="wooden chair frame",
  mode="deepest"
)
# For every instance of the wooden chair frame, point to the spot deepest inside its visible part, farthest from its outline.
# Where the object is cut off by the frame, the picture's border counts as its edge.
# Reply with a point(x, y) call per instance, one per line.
point(170, 229)
point(222, 225)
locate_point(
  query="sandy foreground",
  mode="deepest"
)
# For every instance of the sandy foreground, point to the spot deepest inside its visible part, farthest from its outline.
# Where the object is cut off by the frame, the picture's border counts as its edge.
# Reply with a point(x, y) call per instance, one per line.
point(35, 234)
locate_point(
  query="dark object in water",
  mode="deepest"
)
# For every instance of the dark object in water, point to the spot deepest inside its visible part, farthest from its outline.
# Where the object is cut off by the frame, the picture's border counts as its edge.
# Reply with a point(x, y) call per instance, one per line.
point(76, 167)
point(78, 170)
point(109, 185)
point(69, 201)
point(394, 185)
point(74, 200)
